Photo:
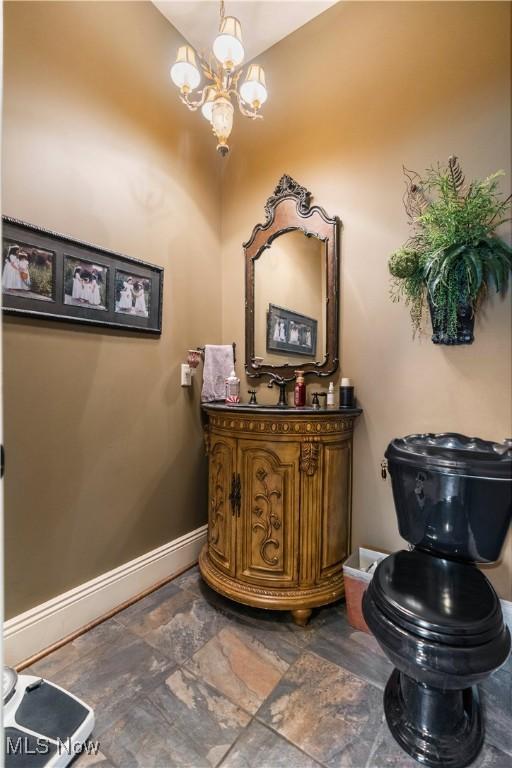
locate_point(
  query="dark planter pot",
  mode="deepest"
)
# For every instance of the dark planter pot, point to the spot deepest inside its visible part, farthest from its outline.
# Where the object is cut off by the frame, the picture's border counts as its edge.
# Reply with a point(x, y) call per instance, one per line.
point(465, 326)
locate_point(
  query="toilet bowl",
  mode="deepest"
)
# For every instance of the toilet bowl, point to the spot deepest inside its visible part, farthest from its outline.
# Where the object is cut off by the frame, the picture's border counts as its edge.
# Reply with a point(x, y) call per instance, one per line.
point(435, 615)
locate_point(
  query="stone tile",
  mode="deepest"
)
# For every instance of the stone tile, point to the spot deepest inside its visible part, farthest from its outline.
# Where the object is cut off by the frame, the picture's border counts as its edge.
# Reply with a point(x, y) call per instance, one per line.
point(388, 754)
point(190, 580)
point(152, 609)
point(357, 651)
point(88, 760)
point(90, 641)
point(238, 665)
point(276, 622)
point(259, 747)
point(507, 666)
point(142, 738)
point(329, 713)
point(103, 634)
point(496, 699)
point(272, 632)
point(110, 678)
point(490, 757)
point(201, 719)
point(179, 626)
point(51, 665)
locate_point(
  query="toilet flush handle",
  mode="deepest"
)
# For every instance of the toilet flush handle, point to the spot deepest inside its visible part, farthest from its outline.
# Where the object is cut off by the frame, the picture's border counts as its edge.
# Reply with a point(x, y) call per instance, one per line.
point(384, 468)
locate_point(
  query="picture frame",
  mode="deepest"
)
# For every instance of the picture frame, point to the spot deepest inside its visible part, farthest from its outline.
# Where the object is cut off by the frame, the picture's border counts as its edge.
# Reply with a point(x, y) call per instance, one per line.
point(289, 331)
point(52, 276)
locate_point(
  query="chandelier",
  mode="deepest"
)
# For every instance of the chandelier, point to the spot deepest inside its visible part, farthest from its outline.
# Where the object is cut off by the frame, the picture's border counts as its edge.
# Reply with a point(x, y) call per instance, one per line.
point(222, 72)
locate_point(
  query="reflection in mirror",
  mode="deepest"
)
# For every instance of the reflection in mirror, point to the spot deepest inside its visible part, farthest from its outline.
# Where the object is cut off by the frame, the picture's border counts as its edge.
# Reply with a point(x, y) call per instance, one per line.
point(290, 301)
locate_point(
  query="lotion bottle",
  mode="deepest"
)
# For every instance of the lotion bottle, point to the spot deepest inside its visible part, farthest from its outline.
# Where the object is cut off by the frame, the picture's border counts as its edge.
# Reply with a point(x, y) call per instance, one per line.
point(330, 395)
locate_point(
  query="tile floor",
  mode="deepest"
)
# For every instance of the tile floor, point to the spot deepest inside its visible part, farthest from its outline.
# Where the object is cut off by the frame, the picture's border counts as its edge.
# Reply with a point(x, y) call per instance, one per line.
point(185, 678)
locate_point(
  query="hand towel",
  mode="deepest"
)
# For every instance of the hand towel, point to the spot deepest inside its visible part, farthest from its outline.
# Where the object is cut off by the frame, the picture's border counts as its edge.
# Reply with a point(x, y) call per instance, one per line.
point(218, 364)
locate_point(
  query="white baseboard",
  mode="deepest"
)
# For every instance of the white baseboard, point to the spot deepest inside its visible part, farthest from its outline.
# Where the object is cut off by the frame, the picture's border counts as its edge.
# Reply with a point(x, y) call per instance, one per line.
point(46, 624)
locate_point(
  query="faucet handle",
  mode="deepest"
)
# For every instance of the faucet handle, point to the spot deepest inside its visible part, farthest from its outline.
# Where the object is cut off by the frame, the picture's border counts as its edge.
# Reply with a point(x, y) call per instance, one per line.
point(252, 393)
point(316, 402)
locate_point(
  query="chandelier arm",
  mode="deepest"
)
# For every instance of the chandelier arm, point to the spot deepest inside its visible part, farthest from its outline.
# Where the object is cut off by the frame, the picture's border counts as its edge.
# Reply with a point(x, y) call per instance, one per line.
point(194, 105)
point(209, 70)
point(251, 113)
point(235, 76)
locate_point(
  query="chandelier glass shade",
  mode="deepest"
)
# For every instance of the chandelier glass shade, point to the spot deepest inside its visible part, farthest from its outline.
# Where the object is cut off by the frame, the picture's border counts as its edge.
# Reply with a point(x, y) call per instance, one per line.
point(222, 72)
point(254, 90)
point(184, 71)
point(227, 46)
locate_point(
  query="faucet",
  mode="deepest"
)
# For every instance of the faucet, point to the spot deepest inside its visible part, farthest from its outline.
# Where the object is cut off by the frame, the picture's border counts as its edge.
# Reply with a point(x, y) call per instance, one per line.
point(281, 383)
point(316, 402)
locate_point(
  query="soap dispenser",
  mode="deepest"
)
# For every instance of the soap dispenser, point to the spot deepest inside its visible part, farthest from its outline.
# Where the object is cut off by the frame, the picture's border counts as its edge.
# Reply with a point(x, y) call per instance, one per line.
point(232, 389)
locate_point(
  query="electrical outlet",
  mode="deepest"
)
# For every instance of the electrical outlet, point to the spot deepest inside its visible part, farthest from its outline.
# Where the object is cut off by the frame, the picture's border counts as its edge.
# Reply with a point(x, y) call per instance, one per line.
point(186, 375)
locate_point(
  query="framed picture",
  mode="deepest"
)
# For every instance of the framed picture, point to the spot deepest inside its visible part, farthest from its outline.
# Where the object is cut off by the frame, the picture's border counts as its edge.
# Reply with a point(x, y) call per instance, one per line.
point(85, 283)
point(28, 271)
point(287, 331)
point(133, 294)
point(48, 275)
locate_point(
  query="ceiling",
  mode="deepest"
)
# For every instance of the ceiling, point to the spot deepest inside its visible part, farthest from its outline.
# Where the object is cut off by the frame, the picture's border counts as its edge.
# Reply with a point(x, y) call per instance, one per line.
point(264, 22)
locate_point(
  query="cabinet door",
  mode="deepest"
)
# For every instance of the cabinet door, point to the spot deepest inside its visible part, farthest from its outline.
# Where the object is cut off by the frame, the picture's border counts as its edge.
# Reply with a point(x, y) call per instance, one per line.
point(267, 530)
point(335, 510)
point(221, 521)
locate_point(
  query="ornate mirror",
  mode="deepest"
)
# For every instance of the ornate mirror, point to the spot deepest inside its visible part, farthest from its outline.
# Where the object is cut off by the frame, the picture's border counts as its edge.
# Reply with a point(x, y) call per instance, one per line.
point(291, 285)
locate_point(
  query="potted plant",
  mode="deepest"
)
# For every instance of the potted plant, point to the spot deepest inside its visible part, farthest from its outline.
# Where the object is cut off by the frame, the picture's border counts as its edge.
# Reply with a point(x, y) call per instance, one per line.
point(453, 255)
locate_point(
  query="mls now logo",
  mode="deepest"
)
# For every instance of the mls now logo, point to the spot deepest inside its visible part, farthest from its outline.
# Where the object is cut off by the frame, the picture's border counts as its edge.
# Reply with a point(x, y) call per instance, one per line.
point(28, 745)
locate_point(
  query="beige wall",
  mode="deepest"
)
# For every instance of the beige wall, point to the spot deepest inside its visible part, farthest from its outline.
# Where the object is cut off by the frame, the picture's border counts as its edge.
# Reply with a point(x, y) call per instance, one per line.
point(104, 448)
point(361, 90)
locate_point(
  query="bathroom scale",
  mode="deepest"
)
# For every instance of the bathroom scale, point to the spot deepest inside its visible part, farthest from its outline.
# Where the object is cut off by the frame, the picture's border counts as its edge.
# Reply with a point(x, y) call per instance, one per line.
point(45, 726)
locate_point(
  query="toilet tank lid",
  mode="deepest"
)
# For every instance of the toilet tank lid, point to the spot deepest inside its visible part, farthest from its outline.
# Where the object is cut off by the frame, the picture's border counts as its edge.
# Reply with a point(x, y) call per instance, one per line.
point(452, 453)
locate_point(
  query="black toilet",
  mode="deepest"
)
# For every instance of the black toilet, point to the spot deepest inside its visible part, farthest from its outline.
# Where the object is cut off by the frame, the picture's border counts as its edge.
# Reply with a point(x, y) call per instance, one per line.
point(436, 616)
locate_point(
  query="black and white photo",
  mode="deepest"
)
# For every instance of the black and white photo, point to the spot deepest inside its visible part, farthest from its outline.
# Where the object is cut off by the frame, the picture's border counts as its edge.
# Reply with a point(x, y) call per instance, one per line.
point(289, 331)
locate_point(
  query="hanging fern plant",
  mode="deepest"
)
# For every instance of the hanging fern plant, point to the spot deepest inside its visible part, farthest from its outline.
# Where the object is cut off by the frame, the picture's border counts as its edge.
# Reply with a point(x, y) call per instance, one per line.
point(454, 254)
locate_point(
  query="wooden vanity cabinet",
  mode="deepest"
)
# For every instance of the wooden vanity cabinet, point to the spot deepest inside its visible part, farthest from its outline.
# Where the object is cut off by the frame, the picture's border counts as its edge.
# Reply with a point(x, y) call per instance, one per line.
point(279, 506)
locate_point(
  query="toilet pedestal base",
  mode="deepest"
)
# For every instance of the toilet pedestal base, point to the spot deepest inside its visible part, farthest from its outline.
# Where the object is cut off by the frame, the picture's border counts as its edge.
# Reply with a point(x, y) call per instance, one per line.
point(442, 729)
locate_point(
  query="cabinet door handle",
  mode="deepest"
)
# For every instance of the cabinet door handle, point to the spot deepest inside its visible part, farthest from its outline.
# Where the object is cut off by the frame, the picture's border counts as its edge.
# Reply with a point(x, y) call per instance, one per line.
point(232, 494)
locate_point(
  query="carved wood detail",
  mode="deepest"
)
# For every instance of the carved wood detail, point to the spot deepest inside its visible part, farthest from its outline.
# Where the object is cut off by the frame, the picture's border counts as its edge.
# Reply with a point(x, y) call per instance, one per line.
point(222, 462)
point(268, 520)
point(206, 437)
point(331, 588)
point(287, 187)
point(217, 497)
point(288, 426)
point(309, 457)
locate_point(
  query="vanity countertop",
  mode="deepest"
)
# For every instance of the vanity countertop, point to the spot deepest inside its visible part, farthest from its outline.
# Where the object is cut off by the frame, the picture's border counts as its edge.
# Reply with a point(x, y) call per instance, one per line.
point(287, 410)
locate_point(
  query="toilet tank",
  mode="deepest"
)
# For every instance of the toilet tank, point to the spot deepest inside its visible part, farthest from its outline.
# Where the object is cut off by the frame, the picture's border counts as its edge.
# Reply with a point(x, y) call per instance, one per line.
point(452, 493)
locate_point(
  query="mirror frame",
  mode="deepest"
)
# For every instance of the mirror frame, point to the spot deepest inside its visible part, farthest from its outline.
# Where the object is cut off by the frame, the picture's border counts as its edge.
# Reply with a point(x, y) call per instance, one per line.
point(287, 210)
